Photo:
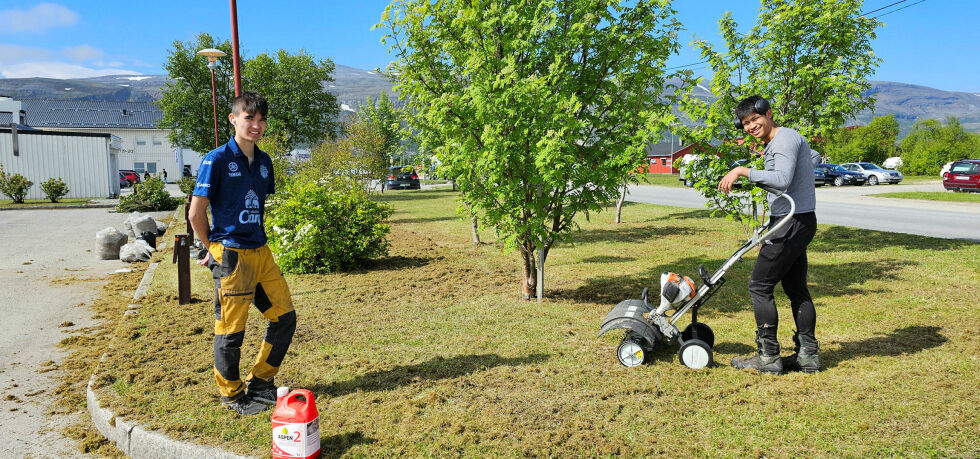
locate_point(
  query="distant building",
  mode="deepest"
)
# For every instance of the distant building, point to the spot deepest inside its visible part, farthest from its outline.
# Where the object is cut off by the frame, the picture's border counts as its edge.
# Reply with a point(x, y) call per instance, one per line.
point(143, 146)
point(662, 158)
point(86, 161)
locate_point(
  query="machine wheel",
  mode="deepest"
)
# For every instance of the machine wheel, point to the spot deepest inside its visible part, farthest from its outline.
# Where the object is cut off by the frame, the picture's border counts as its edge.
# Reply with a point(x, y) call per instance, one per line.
point(688, 182)
point(695, 354)
point(838, 181)
point(873, 180)
point(704, 333)
point(633, 350)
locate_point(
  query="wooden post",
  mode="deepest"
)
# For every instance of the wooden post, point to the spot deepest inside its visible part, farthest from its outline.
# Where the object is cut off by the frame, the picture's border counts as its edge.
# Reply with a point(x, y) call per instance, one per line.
point(182, 256)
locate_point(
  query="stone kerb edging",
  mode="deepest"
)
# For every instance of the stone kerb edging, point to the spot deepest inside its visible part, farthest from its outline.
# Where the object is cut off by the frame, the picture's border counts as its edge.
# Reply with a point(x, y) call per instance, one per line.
point(131, 438)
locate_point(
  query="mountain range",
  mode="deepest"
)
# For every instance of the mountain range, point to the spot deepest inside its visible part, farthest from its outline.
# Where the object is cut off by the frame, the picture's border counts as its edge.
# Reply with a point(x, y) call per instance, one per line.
point(352, 86)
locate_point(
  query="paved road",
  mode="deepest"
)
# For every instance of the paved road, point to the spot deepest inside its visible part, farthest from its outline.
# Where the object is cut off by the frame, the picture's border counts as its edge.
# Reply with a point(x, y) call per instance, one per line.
point(854, 206)
point(39, 247)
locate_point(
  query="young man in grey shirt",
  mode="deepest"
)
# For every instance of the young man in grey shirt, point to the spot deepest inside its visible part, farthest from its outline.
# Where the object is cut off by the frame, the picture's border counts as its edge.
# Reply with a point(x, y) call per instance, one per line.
point(789, 167)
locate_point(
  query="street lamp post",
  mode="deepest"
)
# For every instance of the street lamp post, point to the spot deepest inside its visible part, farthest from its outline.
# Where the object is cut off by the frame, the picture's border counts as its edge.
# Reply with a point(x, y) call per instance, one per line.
point(213, 55)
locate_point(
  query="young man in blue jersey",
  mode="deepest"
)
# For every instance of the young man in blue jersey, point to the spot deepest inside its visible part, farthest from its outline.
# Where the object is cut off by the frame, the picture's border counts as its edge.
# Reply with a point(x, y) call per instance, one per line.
point(234, 180)
point(782, 259)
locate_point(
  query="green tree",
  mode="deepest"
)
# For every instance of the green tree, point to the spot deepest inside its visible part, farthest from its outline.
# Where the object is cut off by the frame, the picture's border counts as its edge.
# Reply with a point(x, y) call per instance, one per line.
point(931, 144)
point(382, 115)
point(186, 100)
point(536, 109)
point(300, 111)
point(811, 59)
point(351, 161)
point(872, 143)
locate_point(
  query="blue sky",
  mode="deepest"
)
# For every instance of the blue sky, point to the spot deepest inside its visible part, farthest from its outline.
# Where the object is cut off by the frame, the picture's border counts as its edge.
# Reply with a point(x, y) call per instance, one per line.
point(933, 43)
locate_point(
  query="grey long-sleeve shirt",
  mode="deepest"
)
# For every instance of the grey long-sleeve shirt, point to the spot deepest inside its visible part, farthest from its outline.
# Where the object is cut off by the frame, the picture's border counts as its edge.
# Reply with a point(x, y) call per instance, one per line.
point(789, 165)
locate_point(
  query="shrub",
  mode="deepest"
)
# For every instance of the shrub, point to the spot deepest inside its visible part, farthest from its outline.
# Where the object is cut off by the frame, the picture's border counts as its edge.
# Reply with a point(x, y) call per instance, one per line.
point(316, 229)
point(54, 189)
point(148, 196)
point(14, 186)
point(187, 185)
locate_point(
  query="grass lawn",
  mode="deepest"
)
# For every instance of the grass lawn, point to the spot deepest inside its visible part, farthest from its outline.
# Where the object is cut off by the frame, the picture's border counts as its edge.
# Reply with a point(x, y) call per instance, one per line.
point(45, 202)
point(431, 353)
point(660, 179)
point(920, 179)
point(932, 196)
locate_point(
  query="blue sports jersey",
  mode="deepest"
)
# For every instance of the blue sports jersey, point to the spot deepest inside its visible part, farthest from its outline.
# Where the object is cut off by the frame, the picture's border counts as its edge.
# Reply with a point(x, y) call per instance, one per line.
point(237, 194)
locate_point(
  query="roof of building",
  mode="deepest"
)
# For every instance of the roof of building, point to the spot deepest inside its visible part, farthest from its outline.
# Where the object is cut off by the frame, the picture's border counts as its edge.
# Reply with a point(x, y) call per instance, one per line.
point(91, 114)
point(664, 149)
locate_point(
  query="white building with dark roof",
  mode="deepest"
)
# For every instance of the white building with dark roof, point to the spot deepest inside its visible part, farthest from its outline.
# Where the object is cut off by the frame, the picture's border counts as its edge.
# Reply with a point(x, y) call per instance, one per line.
point(143, 146)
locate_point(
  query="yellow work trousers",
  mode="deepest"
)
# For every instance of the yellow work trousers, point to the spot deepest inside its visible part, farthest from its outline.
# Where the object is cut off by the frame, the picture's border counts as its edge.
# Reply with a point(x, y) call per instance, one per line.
point(243, 277)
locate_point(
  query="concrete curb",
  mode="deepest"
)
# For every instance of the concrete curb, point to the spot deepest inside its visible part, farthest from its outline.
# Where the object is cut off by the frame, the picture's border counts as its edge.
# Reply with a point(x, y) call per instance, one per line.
point(131, 438)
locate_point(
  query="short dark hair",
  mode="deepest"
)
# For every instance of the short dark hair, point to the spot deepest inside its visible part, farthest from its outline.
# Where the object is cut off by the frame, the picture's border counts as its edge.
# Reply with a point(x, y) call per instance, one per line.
point(747, 106)
point(250, 102)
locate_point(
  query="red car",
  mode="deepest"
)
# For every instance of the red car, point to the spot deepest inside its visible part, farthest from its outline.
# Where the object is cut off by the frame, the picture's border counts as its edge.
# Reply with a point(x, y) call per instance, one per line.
point(130, 175)
point(963, 175)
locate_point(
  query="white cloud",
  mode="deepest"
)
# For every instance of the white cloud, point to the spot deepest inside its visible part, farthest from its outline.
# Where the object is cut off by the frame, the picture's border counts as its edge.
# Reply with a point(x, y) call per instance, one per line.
point(42, 17)
point(82, 53)
point(53, 69)
point(19, 53)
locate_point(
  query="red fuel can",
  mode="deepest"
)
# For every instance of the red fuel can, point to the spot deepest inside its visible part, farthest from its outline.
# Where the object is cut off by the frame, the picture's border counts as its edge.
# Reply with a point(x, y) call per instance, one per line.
point(295, 426)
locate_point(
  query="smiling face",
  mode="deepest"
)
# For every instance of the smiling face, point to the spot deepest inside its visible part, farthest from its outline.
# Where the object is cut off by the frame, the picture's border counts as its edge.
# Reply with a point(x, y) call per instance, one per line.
point(249, 127)
point(760, 126)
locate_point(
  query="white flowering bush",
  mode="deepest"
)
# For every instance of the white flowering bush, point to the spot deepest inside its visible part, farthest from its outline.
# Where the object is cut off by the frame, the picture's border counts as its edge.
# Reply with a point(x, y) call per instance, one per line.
point(313, 228)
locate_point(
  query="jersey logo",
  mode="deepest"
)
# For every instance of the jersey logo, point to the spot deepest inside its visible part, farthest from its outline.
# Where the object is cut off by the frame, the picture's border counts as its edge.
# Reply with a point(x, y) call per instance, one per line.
point(264, 171)
point(251, 213)
point(232, 167)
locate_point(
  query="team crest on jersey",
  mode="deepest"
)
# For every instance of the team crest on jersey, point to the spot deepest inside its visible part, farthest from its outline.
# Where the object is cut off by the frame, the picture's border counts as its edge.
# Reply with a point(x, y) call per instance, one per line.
point(232, 167)
point(264, 171)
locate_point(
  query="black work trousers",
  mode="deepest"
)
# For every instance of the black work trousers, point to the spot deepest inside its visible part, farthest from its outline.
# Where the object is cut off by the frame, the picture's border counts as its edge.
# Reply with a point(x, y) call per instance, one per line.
point(783, 259)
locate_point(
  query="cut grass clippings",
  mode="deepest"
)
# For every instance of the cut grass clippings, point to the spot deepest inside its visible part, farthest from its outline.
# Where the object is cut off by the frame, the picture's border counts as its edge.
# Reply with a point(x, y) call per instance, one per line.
point(932, 196)
point(429, 352)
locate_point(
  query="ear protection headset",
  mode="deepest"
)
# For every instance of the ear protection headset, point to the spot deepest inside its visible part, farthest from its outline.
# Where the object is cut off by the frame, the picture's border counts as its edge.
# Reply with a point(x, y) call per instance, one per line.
point(761, 106)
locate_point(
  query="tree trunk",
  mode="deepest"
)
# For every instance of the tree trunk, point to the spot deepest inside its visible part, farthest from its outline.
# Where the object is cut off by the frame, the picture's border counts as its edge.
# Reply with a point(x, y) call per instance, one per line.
point(619, 203)
point(529, 272)
point(476, 229)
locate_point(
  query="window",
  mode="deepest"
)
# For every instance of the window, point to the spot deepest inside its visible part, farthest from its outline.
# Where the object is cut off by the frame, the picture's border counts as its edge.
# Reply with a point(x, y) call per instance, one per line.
point(139, 167)
point(151, 168)
point(663, 161)
point(140, 140)
point(157, 140)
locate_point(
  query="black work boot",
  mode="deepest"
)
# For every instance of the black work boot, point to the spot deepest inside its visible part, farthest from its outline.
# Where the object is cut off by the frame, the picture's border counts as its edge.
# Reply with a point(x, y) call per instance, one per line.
point(765, 361)
point(804, 357)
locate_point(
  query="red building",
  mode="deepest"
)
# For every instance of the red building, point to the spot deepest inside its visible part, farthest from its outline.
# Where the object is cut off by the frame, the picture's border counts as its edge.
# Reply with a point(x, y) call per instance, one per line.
point(662, 157)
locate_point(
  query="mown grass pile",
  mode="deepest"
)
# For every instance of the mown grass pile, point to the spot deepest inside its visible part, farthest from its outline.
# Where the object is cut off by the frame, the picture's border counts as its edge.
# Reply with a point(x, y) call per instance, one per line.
point(430, 351)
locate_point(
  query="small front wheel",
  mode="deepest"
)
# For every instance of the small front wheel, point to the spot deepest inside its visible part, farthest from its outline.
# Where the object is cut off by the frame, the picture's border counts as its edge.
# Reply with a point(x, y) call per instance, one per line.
point(695, 354)
point(632, 351)
point(838, 181)
point(703, 330)
point(873, 180)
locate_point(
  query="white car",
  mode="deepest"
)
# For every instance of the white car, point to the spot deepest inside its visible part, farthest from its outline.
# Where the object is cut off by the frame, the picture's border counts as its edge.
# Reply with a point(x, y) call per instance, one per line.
point(874, 173)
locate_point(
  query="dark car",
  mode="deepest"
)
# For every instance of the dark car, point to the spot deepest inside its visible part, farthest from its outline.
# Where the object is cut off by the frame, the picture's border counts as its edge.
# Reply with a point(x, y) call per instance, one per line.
point(402, 178)
point(131, 175)
point(963, 175)
point(819, 178)
point(840, 176)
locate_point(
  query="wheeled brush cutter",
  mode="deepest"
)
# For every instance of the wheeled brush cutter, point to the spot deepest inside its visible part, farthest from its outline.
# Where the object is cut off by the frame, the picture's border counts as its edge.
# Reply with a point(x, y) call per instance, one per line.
point(646, 326)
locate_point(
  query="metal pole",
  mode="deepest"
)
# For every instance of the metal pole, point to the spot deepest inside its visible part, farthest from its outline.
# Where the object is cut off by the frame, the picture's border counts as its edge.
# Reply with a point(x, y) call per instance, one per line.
point(214, 105)
point(234, 48)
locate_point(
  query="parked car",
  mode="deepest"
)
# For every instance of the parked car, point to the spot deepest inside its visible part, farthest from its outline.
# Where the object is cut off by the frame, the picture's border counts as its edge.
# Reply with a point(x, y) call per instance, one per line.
point(131, 175)
point(963, 175)
point(819, 178)
point(401, 178)
point(123, 181)
point(840, 176)
point(873, 173)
